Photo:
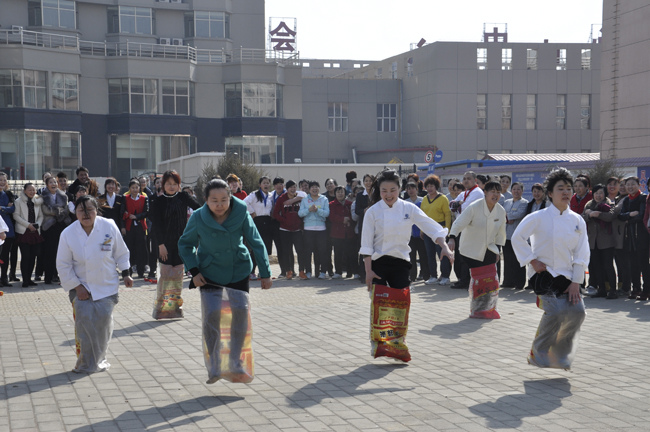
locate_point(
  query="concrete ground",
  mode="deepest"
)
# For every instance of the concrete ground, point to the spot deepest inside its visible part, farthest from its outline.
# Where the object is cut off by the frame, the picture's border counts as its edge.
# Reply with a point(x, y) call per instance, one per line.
point(313, 368)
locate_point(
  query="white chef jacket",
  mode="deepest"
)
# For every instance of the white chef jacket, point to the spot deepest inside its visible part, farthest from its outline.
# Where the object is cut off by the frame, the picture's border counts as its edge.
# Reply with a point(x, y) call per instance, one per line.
point(259, 208)
point(387, 231)
point(482, 230)
point(557, 240)
point(469, 197)
point(90, 260)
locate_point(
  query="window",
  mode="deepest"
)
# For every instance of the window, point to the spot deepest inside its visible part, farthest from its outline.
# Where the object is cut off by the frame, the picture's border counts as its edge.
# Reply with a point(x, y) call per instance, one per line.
point(337, 117)
point(409, 67)
point(586, 59)
point(386, 117)
point(338, 161)
point(23, 88)
point(327, 65)
point(257, 149)
point(506, 59)
point(65, 92)
point(531, 59)
point(393, 71)
point(205, 24)
point(506, 111)
point(481, 114)
point(133, 155)
point(531, 151)
point(305, 64)
point(52, 13)
point(531, 112)
point(378, 73)
point(336, 65)
point(585, 112)
point(560, 121)
point(177, 97)
point(481, 58)
point(128, 19)
point(561, 60)
point(133, 95)
point(254, 100)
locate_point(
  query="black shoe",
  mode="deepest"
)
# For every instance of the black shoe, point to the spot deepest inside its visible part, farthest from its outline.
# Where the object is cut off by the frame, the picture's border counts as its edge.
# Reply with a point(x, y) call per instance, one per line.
point(519, 287)
point(48, 282)
point(5, 282)
point(13, 278)
point(140, 276)
point(25, 285)
point(460, 285)
point(600, 294)
point(37, 279)
point(612, 295)
point(32, 283)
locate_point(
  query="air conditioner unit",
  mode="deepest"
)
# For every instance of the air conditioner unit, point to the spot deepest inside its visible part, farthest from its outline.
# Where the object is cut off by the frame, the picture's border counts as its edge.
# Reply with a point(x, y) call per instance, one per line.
point(165, 41)
point(177, 41)
point(16, 29)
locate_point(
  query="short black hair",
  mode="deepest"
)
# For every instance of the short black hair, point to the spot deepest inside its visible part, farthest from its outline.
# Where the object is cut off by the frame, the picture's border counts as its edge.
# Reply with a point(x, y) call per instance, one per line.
point(597, 188)
point(81, 168)
point(289, 183)
point(216, 184)
point(313, 183)
point(507, 176)
point(277, 180)
point(492, 185)
point(61, 174)
point(556, 176)
point(612, 180)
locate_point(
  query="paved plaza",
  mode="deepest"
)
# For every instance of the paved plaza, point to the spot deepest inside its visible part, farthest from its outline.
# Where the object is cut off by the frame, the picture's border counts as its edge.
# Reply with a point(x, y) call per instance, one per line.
point(313, 368)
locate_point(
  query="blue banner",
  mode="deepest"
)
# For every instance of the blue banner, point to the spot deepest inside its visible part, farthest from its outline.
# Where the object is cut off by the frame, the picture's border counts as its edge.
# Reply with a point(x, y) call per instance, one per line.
point(528, 180)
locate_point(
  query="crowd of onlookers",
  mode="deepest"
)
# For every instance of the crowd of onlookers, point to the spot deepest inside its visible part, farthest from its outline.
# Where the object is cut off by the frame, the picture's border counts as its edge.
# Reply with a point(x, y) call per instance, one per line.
point(316, 229)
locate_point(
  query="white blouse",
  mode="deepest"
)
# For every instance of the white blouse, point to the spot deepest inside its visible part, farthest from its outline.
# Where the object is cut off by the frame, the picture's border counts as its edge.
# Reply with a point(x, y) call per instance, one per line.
point(260, 208)
point(557, 240)
point(387, 231)
point(90, 260)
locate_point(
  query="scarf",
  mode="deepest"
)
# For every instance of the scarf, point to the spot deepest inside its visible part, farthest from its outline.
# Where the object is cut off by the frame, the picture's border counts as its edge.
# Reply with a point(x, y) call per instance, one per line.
point(635, 195)
point(31, 214)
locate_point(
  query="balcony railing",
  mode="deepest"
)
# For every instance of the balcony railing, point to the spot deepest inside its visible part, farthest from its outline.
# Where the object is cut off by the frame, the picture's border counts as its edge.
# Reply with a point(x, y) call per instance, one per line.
point(145, 50)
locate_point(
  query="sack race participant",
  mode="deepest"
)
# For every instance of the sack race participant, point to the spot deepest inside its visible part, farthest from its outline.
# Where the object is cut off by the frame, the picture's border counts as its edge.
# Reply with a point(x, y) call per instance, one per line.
point(89, 250)
point(483, 224)
point(557, 257)
point(168, 216)
point(212, 247)
point(384, 245)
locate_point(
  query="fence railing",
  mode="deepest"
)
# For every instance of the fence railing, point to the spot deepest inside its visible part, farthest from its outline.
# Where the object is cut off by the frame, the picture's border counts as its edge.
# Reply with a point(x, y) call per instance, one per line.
point(145, 50)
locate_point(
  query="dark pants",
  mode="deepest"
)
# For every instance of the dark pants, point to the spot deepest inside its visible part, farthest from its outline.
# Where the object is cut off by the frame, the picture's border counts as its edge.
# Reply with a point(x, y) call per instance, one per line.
point(639, 265)
point(265, 226)
point(136, 241)
point(4, 256)
point(13, 260)
point(28, 253)
point(327, 260)
point(360, 264)
point(392, 272)
point(316, 244)
point(489, 258)
point(40, 264)
point(433, 250)
point(153, 253)
point(418, 248)
point(344, 255)
point(601, 269)
point(277, 239)
point(460, 266)
point(514, 275)
point(623, 269)
point(288, 241)
point(50, 249)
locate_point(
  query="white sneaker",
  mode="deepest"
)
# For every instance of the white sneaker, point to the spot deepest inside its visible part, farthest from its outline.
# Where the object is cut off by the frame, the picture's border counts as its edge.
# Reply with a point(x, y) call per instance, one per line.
point(308, 275)
point(323, 276)
point(444, 281)
point(337, 276)
point(147, 269)
point(431, 281)
point(253, 276)
point(356, 276)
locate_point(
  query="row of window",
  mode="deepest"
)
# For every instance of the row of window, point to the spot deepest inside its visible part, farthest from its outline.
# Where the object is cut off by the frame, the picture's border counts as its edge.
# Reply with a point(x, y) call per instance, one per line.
point(127, 19)
point(254, 100)
point(337, 117)
point(140, 96)
point(531, 111)
point(531, 59)
point(29, 89)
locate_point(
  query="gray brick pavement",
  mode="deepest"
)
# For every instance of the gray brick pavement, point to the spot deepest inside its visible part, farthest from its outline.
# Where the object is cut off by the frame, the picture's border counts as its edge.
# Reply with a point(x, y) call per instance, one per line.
point(313, 369)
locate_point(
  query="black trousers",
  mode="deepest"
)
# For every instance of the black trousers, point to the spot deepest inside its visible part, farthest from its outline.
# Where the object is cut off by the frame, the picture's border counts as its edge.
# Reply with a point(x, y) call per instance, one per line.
point(290, 240)
point(489, 258)
point(265, 226)
point(639, 265)
point(393, 272)
point(28, 253)
point(460, 266)
point(344, 255)
point(13, 259)
point(316, 244)
point(4, 256)
point(419, 249)
point(136, 241)
point(152, 245)
point(40, 264)
point(277, 239)
point(514, 275)
point(601, 269)
point(327, 261)
point(50, 249)
point(623, 269)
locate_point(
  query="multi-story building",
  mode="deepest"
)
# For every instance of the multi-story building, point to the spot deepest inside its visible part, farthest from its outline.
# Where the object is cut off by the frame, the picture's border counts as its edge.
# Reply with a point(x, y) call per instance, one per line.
point(121, 85)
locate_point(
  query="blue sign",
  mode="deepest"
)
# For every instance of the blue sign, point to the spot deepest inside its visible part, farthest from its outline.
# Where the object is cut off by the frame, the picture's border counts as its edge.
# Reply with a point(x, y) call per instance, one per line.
point(432, 169)
point(528, 180)
point(438, 156)
point(644, 175)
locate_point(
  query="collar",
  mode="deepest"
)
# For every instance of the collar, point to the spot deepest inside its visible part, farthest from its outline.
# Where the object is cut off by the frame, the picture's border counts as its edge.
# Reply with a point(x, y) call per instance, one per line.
point(555, 210)
point(634, 196)
point(137, 197)
point(365, 192)
point(468, 191)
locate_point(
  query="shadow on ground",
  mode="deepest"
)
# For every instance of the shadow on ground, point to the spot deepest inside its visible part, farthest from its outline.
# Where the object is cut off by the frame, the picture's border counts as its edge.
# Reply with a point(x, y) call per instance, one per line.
point(455, 330)
point(137, 330)
point(342, 386)
point(26, 387)
point(540, 398)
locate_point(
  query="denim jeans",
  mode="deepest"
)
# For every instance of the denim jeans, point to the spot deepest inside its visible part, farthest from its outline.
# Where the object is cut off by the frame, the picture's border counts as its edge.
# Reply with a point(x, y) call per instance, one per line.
point(434, 249)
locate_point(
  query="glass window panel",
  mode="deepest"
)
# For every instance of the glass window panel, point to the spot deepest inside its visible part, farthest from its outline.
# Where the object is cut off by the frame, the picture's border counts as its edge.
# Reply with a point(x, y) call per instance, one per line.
point(40, 78)
point(150, 86)
point(182, 87)
point(482, 112)
point(531, 112)
point(380, 110)
point(480, 99)
point(29, 78)
point(344, 110)
point(337, 124)
point(143, 12)
point(58, 99)
point(561, 112)
point(530, 123)
point(182, 105)
point(137, 104)
point(168, 105)
point(393, 125)
point(330, 109)
point(50, 17)
point(530, 99)
point(127, 24)
point(168, 87)
point(151, 104)
point(386, 125)
point(71, 82)
point(393, 110)
point(17, 77)
point(41, 98)
point(216, 29)
point(227, 25)
point(202, 15)
point(30, 97)
point(5, 77)
point(506, 112)
point(137, 85)
point(66, 4)
point(6, 101)
point(18, 96)
point(114, 85)
point(330, 124)
point(584, 100)
point(379, 125)
point(250, 107)
point(561, 100)
point(560, 123)
point(67, 19)
point(202, 28)
point(143, 25)
point(337, 110)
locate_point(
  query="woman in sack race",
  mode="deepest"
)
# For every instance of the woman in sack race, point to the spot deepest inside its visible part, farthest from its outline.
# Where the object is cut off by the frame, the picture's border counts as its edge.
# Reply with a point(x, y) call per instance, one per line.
point(88, 253)
point(212, 248)
point(29, 218)
point(558, 255)
point(56, 219)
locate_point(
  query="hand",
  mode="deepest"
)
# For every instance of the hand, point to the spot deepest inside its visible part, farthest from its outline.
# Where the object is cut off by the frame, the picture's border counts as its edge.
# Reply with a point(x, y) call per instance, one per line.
point(82, 292)
point(634, 214)
point(313, 208)
point(346, 221)
point(199, 280)
point(538, 266)
point(162, 252)
point(128, 282)
point(594, 214)
point(370, 277)
point(31, 227)
point(574, 293)
point(452, 244)
point(588, 212)
point(510, 222)
point(266, 283)
point(10, 204)
point(123, 231)
point(132, 217)
point(3, 235)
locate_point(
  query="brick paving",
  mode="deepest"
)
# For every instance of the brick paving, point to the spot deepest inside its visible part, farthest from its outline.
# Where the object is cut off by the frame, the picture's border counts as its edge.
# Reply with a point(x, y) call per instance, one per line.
point(313, 369)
